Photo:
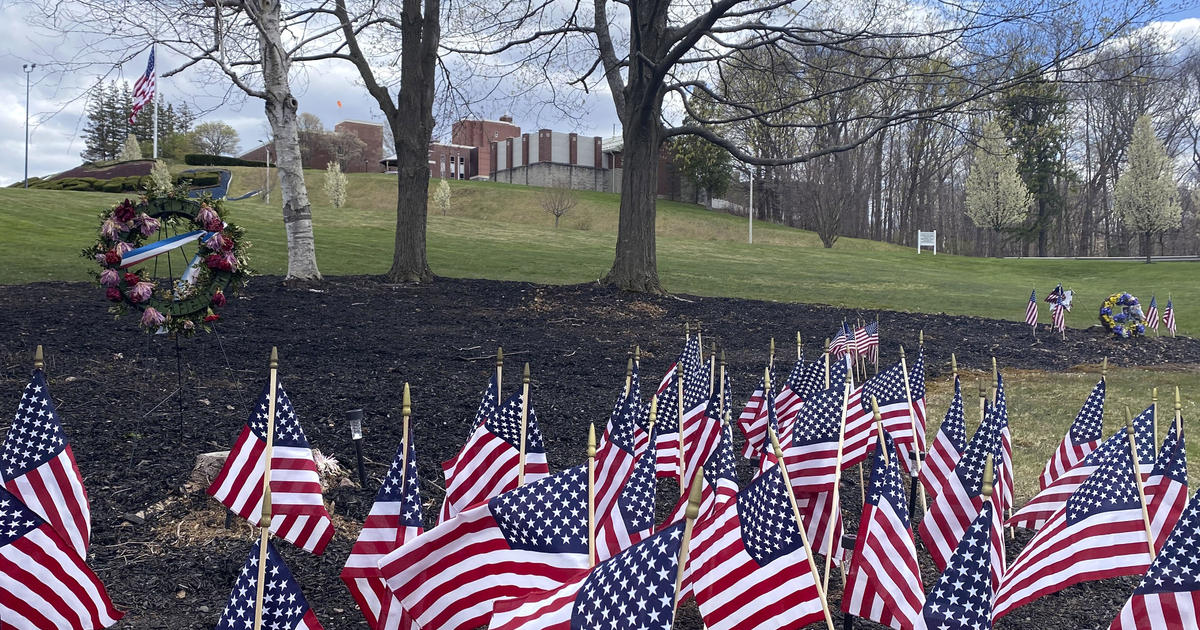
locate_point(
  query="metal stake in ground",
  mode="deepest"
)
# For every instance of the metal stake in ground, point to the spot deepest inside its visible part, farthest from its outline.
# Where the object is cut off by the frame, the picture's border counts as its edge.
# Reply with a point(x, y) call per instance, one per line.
point(355, 417)
point(179, 383)
point(264, 521)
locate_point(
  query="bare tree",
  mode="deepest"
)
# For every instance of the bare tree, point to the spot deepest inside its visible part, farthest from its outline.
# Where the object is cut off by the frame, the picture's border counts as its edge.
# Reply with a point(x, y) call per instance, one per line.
point(251, 44)
point(655, 55)
point(558, 201)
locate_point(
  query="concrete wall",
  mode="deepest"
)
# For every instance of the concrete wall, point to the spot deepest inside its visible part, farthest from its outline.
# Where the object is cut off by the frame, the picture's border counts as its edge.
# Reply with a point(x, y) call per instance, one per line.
point(550, 175)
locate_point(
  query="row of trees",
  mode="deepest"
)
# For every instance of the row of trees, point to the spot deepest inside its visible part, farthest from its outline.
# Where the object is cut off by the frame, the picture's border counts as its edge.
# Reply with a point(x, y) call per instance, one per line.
point(817, 92)
point(107, 128)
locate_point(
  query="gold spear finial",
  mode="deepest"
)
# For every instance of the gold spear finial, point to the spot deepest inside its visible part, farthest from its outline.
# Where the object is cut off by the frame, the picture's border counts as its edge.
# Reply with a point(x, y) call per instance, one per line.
point(722, 356)
point(954, 364)
point(921, 339)
point(693, 507)
point(653, 410)
point(629, 368)
point(687, 330)
point(987, 476)
point(1178, 406)
point(499, 356)
point(766, 378)
point(406, 403)
point(901, 352)
point(525, 374)
point(637, 354)
point(592, 440)
point(772, 347)
point(39, 359)
point(274, 362)
point(1104, 368)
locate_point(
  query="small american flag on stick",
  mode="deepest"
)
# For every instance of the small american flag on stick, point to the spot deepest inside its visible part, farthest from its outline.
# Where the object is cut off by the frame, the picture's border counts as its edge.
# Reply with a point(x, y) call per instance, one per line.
point(1169, 594)
point(1169, 317)
point(1152, 314)
point(1031, 311)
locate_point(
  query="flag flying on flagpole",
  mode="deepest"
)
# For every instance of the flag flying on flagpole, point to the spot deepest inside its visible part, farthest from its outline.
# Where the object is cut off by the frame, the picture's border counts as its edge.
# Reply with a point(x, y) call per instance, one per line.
point(143, 89)
point(283, 605)
point(43, 584)
point(1169, 594)
point(39, 466)
point(1031, 311)
point(1152, 314)
point(394, 519)
point(298, 513)
point(884, 580)
point(1082, 438)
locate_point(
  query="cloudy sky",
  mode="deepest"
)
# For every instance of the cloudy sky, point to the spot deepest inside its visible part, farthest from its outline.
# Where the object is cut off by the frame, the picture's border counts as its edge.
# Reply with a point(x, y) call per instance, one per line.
point(56, 101)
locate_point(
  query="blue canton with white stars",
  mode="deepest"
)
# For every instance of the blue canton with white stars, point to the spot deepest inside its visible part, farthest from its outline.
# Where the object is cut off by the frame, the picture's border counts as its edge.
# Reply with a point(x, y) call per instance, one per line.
point(287, 425)
point(35, 436)
point(1177, 567)
point(548, 515)
point(916, 377)
point(820, 419)
point(954, 426)
point(695, 376)
point(1172, 458)
point(1089, 424)
point(887, 387)
point(634, 590)
point(283, 603)
point(667, 418)
point(986, 441)
point(487, 404)
point(404, 487)
point(16, 519)
point(721, 464)
point(506, 425)
point(623, 422)
point(1144, 432)
point(811, 381)
point(768, 523)
point(636, 500)
point(1111, 487)
point(962, 597)
point(886, 483)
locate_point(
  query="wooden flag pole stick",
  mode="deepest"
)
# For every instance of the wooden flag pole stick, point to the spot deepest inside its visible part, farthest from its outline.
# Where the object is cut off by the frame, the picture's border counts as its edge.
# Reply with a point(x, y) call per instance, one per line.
point(499, 371)
point(1137, 477)
point(524, 424)
point(687, 331)
point(877, 347)
point(39, 359)
point(982, 402)
point(812, 564)
point(591, 453)
point(771, 355)
point(826, 363)
point(679, 412)
point(721, 387)
point(1154, 411)
point(693, 510)
point(628, 374)
point(699, 341)
point(912, 420)
point(406, 413)
point(837, 484)
point(879, 429)
point(1104, 370)
point(1178, 415)
point(995, 380)
point(712, 371)
point(799, 347)
point(264, 520)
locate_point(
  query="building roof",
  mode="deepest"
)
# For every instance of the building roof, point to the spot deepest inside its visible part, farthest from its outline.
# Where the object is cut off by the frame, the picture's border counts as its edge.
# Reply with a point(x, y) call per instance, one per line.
point(360, 122)
point(612, 144)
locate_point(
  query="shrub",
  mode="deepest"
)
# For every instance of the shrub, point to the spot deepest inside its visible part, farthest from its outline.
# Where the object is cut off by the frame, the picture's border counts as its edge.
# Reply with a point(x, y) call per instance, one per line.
point(113, 185)
point(204, 159)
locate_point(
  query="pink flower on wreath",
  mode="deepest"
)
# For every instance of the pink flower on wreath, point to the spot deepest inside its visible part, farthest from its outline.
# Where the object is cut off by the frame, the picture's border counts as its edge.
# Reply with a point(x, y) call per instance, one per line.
point(124, 212)
point(217, 242)
point(206, 215)
point(109, 278)
point(221, 262)
point(189, 324)
point(147, 224)
point(141, 292)
point(122, 248)
point(113, 294)
point(102, 258)
point(151, 318)
point(111, 229)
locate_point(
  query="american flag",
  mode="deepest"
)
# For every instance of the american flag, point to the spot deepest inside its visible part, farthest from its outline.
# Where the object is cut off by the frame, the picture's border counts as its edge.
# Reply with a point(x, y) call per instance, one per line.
point(805, 380)
point(1082, 438)
point(695, 401)
point(812, 453)
point(822, 518)
point(871, 348)
point(284, 605)
point(962, 596)
point(39, 467)
point(1050, 500)
point(1058, 317)
point(948, 445)
point(888, 388)
point(394, 519)
point(143, 89)
point(884, 580)
point(634, 589)
point(629, 516)
point(961, 497)
point(487, 464)
point(748, 566)
point(1031, 311)
point(487, 404)
point(532, 538)
point(1099, 534)
point(1169, 594)
point(1152, 314)
point(916, 388)
point(753, 422)
point(298, 514)
point(1167, 488)
point(843, 342)
point(720, 482)
point(704, 437)
point(1168, 317)
point(1000, 411)
point(641, 431)
point(43, 584)
point(1057, 295)
point(615, 457)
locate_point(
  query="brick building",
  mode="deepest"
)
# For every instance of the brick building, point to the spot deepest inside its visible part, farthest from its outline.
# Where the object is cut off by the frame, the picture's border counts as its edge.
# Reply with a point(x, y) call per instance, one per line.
point(480, 134)
point(319, 153)
point(552, 158)
point(453, 161)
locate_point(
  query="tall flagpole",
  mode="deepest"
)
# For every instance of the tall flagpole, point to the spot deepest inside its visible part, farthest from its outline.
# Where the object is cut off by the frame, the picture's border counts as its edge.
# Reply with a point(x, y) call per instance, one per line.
point(155, 102)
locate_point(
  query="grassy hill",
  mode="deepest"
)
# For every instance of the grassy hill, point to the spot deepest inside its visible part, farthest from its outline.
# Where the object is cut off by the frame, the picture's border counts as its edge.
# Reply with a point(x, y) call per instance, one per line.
point(499, 231)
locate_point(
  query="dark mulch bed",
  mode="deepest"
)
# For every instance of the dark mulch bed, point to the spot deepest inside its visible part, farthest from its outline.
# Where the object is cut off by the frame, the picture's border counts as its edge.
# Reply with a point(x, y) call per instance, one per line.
point(120, 169)
point(352, 343)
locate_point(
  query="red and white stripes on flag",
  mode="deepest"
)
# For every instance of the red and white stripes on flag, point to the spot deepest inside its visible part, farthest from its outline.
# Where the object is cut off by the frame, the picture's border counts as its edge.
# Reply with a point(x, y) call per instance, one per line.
point(748, 568)
point(1168, 317)
point(1083, 436)
point(883, 583)
point(532, 538)
point(1031, 311)
point(753, 424)
point(298, 514)
point(44, 585)
point(143, 89)
point(1166, 487)
point(1058, 317)
point(948, 446)
point(1152, 314)
point(488, 463)
point(1169, 594)
point(39, 467)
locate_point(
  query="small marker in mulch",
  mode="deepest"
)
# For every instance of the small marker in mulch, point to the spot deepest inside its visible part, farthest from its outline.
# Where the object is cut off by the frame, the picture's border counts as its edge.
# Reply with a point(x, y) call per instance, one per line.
point(355, 416)
point(228, 519)
point(848, 543)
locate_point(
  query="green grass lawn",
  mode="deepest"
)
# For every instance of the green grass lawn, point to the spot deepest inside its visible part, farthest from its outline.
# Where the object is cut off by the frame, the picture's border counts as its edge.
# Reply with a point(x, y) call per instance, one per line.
point(498, 231)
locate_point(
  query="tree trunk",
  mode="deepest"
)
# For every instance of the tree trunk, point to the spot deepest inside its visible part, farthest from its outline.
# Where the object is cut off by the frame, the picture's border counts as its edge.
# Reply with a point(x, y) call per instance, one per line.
point(635, 266)
point(281, 114)
point(412, 127)
point(1146, 244)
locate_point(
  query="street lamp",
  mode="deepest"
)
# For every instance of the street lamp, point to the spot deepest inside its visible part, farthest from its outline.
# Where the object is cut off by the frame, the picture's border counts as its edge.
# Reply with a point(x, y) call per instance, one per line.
point(267, 180)
point(28, 68)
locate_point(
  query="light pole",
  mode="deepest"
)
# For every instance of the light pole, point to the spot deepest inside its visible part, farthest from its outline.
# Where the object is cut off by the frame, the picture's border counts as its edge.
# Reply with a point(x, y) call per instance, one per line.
point(28, 68)
point(267, 181)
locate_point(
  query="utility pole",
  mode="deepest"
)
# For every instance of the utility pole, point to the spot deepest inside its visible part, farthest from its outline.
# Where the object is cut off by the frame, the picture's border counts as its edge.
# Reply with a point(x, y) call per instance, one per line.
point(28, 68)
point(751, 212)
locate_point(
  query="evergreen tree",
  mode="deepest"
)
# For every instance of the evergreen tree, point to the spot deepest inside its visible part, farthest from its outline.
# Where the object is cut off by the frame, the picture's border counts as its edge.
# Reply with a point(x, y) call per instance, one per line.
point(104, 133)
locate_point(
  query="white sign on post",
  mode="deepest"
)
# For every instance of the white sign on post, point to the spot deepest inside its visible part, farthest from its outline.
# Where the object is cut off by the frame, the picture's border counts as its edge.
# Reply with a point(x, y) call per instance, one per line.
point(927, 239)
